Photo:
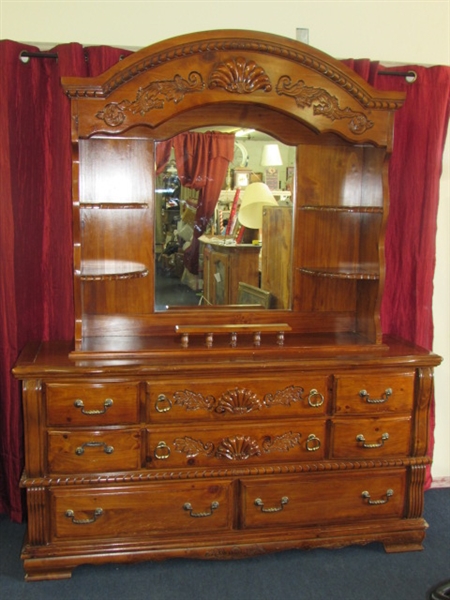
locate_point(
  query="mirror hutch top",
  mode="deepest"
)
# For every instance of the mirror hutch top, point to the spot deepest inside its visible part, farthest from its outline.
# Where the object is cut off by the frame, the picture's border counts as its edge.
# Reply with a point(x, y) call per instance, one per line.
point(341, 130)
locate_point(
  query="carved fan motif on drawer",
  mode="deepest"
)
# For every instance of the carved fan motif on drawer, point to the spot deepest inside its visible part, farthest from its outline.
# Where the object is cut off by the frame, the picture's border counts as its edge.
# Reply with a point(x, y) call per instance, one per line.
point(237, 400)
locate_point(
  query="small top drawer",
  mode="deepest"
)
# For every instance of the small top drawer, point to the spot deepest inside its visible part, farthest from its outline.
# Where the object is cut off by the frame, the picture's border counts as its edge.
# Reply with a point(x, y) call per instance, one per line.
point(87, 404)
point(301, 394)
point(385, 391)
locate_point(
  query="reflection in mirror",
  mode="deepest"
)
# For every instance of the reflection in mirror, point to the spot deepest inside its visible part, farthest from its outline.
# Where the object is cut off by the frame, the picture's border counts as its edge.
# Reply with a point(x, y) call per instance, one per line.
point(223, 220)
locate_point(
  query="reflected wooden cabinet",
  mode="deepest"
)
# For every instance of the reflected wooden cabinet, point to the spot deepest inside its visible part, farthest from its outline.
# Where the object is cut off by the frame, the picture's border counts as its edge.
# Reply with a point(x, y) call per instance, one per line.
point(141, 444)
point(224, 267)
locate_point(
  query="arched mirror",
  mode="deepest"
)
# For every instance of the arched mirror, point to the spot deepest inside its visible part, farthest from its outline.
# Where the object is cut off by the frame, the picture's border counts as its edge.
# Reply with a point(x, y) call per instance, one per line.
point(223, 220)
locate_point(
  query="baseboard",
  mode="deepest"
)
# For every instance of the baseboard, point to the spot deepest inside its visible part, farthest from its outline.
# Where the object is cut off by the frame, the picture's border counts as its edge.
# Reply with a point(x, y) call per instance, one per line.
point(441, 482)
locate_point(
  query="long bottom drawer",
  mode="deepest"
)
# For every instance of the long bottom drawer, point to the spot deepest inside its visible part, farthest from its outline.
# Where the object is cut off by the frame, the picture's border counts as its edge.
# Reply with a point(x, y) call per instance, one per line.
point(322, 499)
point(142, 509)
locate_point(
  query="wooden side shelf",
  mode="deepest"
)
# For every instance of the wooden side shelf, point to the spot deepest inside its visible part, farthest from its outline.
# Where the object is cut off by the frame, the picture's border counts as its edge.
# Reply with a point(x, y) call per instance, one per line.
point(107, 270)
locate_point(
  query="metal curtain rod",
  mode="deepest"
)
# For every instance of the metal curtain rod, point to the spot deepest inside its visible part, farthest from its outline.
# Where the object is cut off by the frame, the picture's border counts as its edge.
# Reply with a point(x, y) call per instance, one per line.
point(410, 76)
point(25, 55)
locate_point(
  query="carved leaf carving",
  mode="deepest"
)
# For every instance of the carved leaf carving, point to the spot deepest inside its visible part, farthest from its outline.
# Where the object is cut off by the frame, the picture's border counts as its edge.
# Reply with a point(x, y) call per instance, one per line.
point(191, 447)
point(238, 401)
point(322, 102)
point(238, 447)
point(193, 401)
point(152, 97)
point(282, 443)
point(239, 76)
point(285, 397)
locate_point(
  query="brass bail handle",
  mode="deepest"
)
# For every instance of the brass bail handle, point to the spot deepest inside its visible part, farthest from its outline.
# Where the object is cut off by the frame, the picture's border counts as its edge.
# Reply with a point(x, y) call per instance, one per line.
point(284, 500)
point(384, 396)
point(385, 500)
point(106, 449)
point(362, 439)
point(71, 515)
point(106, 404)
point(198, 515)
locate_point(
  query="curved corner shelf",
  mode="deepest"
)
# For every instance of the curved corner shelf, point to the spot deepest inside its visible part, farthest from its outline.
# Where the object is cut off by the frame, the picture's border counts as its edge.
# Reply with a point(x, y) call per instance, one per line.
point(110, 270)
point(355, 272)
point(114, 205)
point(343, 209)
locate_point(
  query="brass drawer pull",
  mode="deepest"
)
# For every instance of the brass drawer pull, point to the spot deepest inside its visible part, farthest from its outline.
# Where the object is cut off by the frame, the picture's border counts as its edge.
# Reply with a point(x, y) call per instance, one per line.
point(106, 404)
point(366, 495)
point(188, 506)
point(283, 502)
point(71, 515)
point(312, 443)
point(361, 438)
point(384, 397)
point(163, 404)
point(106, 449)
point(315, 398)
point(162, 451)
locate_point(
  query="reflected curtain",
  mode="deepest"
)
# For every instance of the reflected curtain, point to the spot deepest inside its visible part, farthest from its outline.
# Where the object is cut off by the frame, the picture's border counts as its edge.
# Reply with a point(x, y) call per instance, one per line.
point(202, 161)
point(414, 173)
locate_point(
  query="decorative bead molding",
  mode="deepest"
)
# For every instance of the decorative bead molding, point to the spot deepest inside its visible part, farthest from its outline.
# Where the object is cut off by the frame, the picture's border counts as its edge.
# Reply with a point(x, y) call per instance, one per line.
point(185, 474)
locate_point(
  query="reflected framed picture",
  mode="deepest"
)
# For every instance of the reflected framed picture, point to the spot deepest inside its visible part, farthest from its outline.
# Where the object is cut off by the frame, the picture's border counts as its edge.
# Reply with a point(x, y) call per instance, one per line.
point(241, 178)
point(250, 294)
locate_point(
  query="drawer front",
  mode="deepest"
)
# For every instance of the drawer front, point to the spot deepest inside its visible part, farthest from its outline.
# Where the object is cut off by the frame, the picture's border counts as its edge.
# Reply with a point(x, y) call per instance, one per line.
point(92, 404)
point(93, 451)
point(256, 397)
point(316, 500)
point(387, 392)
point(148, 509)
point(236, 447)
point(371, 438)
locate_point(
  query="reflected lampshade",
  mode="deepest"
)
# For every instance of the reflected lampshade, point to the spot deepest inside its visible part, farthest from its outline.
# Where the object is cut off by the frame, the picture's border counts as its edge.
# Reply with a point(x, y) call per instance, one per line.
point(256, 196)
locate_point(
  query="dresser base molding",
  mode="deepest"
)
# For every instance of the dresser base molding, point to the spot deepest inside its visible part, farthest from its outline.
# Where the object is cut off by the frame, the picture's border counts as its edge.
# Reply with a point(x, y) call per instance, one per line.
point(57, 561)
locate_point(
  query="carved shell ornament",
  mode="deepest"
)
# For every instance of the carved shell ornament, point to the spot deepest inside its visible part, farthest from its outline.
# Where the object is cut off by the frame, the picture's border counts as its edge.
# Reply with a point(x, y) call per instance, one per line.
point(153, 96)
point(238, 401)
point(323, 103)
point(239, 76)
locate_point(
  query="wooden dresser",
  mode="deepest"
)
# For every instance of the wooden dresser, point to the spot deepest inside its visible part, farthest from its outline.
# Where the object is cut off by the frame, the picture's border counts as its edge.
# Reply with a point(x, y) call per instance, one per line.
point(225, 432)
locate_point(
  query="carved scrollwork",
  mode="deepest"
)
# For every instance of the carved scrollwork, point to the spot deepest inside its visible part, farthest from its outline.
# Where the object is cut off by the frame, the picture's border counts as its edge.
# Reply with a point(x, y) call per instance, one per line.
point(282, 443)
point(193, 401)
point(285, 397)
point(192, 448)
point(238, 447)
point(239, 76)
point(153, 96)
point(237, 401)
point(322, 103)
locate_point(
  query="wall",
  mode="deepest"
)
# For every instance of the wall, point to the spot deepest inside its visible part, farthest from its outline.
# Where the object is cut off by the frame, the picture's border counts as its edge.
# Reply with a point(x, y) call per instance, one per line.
point(394, 31)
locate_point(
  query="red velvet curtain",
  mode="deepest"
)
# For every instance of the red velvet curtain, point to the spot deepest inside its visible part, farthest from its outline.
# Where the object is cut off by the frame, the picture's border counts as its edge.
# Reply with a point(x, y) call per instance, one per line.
point(414, 173)
point(36, 298)
point(202, 162)
point(35, 215)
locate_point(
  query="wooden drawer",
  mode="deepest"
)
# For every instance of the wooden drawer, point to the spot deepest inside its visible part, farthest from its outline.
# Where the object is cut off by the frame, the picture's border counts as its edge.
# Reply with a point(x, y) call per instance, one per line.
point(93, 451)
point(92, 404)
point(328, 498)
point(148, 509)
point(371, 437)
point(363, 392)
point(236, 447)
point(265, 397)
